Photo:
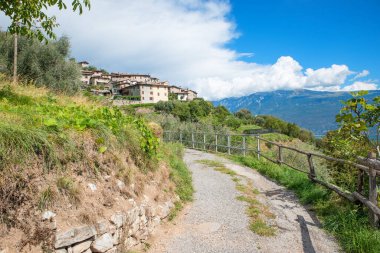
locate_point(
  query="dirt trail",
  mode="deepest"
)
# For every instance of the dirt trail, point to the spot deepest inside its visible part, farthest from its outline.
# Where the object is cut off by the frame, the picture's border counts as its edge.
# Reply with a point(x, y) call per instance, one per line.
point(216, 221)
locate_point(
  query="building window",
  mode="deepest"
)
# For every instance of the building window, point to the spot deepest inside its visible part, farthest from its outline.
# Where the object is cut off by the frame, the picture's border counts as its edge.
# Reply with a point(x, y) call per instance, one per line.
point(165, 94)
point(151, 98)
point(142, 92)
point(151, 93)
point(158, 94)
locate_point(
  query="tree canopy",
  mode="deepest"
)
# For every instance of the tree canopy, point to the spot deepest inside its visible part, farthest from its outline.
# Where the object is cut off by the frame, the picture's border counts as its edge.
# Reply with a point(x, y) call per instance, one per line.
point(30, 18)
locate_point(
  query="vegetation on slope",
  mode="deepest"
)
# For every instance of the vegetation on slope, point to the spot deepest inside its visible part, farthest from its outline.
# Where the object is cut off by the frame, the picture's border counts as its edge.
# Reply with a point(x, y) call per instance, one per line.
point(52, 145)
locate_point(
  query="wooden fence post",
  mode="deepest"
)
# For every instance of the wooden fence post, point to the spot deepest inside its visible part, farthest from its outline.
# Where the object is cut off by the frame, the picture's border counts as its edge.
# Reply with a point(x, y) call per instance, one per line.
point(192, 139)
point(169, 136)
point(216, 142)
point(360, 182)
point(180, 137)
point(312, 174)
point(280, 154)
point(258, 147)
point(229, 144)
point(374, 219)
point(244, 146)
point(204, 141)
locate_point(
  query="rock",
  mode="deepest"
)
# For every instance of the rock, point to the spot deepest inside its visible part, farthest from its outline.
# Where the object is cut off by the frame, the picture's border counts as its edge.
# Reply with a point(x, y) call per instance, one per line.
point(87, 251)
point(79, 248)
point(134, 227)
point(163, 211)
point(70, 250)
point(120, 184)
point(103, 227)
point(133, 215)
point(113, 250)
point(116, 237)
point(74, 235)
point(107, 178)
point(57, 251)
point(130, 242)
point(48, 215)
point(92, 187)
point(118, 219)
point(102, 243)
point(132, 202)
point(6, 250)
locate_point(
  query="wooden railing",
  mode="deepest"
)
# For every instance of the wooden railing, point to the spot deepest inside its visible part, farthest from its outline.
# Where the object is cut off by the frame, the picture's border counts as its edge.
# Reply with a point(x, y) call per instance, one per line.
point(245, 144)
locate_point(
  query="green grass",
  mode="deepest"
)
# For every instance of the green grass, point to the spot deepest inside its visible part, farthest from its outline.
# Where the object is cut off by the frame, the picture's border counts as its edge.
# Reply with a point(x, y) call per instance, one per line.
point(174, 211)
point(242, 128)
point(276, 137)
point(180, 175)
point(226, 171)
point(346, 221)
point(211, 163)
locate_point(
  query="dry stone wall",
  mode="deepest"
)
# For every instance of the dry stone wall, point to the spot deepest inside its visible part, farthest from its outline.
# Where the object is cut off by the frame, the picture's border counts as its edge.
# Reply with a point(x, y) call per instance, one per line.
point(122, 231)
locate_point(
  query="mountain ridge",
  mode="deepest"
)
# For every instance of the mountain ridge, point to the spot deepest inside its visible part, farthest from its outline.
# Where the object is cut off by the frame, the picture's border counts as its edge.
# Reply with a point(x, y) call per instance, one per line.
point(313, 110)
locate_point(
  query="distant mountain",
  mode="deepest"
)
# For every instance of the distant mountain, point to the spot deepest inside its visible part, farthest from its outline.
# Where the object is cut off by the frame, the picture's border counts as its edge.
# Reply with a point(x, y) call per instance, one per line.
point(313, 110)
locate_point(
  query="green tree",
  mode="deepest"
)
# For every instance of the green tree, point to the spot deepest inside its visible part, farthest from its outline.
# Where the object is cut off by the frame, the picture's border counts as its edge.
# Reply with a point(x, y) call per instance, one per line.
point(358, 117)
point(29, 18)
point(43, 64)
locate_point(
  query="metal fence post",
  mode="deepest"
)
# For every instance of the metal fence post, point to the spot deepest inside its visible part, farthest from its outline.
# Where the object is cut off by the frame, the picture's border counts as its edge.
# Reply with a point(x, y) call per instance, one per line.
point(169, 136)
point(192, 139)
point(180, 137)
point(229, 144)
point(244, 146)
point(204, 141)
point(216, 142)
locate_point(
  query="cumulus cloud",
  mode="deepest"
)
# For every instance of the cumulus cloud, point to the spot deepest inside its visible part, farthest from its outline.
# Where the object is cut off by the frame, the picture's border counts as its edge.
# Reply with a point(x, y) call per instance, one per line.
point(364, 73)
point(186, 43)
point(360, 86)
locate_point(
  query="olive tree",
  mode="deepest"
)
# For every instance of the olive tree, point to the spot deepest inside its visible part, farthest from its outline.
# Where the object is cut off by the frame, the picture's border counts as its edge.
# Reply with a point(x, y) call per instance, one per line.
point(30, 18)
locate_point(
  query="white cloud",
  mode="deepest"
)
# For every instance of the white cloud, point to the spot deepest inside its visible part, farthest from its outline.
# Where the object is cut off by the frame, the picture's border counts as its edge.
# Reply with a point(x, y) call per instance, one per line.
point(364, 73)
point(360, 86)
point(184, 42)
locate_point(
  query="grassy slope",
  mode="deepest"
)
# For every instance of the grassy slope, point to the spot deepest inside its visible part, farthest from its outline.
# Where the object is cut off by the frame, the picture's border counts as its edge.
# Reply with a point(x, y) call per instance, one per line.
point(57, 138)
point(347, 222)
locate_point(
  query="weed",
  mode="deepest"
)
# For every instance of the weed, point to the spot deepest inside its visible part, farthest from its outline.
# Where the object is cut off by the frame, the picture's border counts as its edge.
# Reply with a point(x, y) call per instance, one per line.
point(174, 211)
point(226, 171)
point(67, 186)
point(261, 228)
point(46, 198)
point(211, 163)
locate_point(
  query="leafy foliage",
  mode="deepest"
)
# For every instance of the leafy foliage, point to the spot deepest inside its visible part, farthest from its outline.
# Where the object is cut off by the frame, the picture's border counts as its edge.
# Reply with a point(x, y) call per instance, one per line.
point(44, 65)
point(31, 19)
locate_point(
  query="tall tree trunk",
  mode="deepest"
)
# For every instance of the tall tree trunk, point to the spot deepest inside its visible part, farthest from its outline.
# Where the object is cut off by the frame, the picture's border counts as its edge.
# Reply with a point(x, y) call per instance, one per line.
point(15, 60)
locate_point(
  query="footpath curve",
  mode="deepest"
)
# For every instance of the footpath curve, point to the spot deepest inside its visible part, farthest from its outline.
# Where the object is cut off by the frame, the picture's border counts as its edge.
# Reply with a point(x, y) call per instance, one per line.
point(217, 222)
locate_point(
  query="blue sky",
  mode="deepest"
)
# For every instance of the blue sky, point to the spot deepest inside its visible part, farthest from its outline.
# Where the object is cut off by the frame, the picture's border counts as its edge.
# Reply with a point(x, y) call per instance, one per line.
point(316, 33)
point(205, 44)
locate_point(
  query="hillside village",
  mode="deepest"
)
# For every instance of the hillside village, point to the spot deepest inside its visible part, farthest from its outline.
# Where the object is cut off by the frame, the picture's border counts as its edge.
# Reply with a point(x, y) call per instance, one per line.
point(127, 88)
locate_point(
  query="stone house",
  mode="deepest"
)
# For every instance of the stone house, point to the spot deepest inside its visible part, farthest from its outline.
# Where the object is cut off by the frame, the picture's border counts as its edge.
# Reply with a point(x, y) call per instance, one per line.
point(84, 64)
point(183, 94)
point(148, 93)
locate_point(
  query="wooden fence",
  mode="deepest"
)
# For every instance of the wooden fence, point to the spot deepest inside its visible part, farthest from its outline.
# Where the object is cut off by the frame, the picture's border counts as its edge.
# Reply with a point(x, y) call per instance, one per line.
point(244, 144)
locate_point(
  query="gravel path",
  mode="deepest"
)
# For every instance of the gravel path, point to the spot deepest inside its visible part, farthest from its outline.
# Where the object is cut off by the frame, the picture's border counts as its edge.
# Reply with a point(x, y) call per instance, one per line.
point(216, 221)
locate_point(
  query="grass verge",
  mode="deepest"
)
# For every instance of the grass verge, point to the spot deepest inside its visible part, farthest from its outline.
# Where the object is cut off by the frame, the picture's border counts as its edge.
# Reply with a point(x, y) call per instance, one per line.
point(179, 174)
point(346, 221)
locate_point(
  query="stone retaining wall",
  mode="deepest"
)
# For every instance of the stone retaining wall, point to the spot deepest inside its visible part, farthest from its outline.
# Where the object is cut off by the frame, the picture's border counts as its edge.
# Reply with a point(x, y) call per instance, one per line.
point(122, 230)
